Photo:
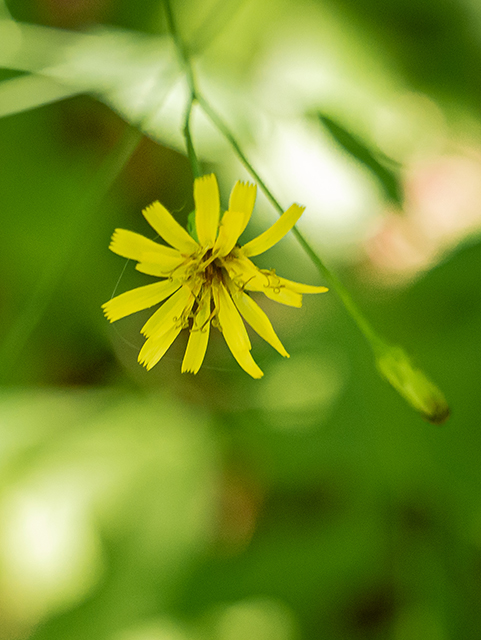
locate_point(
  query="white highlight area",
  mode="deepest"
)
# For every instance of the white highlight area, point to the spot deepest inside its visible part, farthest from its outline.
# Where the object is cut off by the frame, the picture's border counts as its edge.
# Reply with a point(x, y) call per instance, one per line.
point(339, 196)
point(49, 553)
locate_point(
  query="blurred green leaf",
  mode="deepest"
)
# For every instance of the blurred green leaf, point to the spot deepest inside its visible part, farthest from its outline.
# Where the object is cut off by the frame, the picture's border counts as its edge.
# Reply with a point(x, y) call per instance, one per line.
point(95, 486)
point(389, 179)
point(28, 92)
point(132, 73)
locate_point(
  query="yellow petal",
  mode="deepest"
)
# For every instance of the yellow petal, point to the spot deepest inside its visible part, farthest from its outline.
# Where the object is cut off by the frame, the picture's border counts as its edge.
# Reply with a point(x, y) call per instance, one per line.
point(242, 199)
point(229, 231)
point(275, 233)
point(152, 269)
point(207, 209)
point(301, 288)
point(281, 295)
point(242, 270)
point(169, 229)
point(166, 261)
point(133, 246)
point(155, 348)
point(199, 337)
point(173, 312)
point(230, 320)
point(258, 320)
point(246, 361)
point(173, 269)
point(138, 299)
point(246, 275)
point(234, 331)
point(160, 266)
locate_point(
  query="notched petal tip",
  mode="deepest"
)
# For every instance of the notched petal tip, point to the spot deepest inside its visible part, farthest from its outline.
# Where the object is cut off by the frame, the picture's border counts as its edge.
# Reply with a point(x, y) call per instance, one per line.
point(242, 199)
point(107, 314)
point(188, 370)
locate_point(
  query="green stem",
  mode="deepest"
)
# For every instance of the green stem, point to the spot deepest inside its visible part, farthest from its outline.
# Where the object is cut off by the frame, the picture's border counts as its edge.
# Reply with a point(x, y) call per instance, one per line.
point(364, 325)
point(180, 47)
point(189, 72)
point(194, 162)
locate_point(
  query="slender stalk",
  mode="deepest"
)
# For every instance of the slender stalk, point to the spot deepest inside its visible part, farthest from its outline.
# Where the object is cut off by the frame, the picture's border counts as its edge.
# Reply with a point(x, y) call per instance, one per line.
point(189, 73)
point(180, 47)
point(391, 361)
point(194, 162)
point(196, 96)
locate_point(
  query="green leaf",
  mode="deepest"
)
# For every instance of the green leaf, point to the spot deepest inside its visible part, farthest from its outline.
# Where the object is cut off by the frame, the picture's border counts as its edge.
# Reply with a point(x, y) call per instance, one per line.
point(388, 178)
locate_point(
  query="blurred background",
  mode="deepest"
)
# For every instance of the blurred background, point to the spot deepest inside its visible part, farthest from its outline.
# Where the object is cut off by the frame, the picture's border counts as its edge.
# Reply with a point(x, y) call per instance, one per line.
point(313, 503)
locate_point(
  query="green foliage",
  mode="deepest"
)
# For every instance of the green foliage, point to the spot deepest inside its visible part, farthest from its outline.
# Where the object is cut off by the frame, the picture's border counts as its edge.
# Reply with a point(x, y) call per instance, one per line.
point(388, 178)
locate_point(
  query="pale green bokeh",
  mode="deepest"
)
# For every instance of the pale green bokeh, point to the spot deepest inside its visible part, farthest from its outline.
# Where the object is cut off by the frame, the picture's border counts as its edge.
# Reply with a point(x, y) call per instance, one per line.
point(84, 464)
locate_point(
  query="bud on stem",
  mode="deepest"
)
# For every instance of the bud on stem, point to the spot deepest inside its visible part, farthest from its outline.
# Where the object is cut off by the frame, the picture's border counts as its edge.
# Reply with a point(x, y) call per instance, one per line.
point(414, 386)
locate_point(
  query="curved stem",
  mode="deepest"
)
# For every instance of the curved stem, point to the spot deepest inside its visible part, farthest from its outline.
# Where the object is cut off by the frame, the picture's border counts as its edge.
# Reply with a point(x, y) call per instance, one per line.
point(180, 47)
point(194, 162)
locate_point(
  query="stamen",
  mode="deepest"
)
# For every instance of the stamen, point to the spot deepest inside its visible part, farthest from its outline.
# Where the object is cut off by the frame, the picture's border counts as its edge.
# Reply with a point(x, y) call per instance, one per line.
point(244, 284)
point(209, 319)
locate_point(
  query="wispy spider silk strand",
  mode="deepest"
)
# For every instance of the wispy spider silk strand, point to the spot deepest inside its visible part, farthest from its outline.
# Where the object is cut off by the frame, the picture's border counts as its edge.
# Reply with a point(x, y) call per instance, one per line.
point(392, 362)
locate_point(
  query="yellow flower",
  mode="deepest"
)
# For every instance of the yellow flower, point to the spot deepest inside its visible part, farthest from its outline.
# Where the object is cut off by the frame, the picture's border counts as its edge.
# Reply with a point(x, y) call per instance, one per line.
point(204, 280)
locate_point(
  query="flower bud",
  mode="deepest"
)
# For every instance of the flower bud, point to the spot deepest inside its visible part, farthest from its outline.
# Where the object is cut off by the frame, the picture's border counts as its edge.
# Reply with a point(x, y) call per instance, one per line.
point(414, 386)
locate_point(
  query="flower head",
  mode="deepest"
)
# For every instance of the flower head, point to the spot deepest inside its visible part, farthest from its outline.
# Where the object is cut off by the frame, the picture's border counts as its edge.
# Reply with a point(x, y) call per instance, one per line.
point(205, 281)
